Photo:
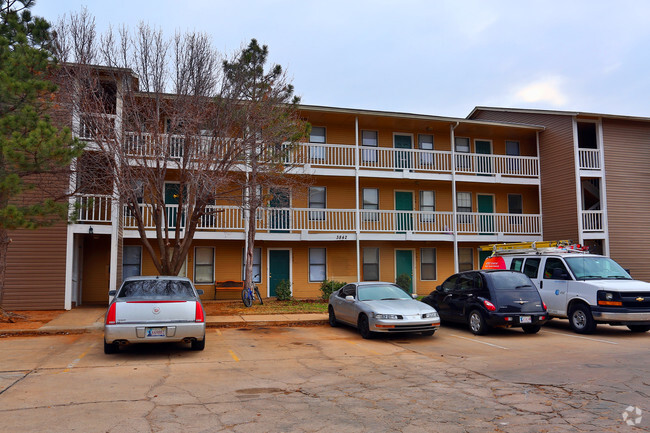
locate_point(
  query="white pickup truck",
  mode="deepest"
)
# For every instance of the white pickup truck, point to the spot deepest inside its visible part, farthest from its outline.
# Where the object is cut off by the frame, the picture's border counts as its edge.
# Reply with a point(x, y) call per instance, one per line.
point(587, 289)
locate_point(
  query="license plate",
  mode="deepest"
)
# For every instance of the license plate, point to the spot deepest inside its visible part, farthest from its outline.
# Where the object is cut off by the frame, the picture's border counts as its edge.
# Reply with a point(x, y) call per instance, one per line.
point(155, 332)
point(525, 319)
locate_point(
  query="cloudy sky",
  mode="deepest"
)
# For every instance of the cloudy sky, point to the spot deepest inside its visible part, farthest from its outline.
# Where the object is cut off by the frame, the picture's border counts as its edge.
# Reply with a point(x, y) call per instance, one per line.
point(434, 57)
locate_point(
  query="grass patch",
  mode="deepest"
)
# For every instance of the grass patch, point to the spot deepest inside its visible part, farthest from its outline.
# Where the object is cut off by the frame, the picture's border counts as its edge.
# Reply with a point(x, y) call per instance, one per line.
point(271, 306)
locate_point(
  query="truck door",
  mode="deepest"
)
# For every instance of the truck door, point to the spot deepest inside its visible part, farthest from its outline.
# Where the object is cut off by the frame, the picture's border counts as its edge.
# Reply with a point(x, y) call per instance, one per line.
point(554, 285)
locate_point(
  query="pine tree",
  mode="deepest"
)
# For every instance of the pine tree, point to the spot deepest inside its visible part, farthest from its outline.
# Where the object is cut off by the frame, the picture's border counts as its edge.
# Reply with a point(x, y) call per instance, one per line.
point(32, 149)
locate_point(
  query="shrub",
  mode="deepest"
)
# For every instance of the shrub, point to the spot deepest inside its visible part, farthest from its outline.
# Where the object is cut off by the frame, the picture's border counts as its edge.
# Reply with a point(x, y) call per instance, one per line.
point(329, 286)
point(283, 290)
point(404, 281)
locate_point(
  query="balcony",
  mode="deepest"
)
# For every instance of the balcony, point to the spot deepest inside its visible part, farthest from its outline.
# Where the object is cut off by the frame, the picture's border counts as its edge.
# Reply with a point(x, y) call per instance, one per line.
point(592, 221)
point(291, 220)
point(589, 159)
point(93, 208)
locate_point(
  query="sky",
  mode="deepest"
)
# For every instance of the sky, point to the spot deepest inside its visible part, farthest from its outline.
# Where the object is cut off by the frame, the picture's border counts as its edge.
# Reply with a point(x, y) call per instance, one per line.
point(434, 57)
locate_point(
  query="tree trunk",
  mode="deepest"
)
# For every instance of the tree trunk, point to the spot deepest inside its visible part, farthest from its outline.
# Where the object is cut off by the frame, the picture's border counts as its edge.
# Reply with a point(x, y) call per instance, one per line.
point(252, 213)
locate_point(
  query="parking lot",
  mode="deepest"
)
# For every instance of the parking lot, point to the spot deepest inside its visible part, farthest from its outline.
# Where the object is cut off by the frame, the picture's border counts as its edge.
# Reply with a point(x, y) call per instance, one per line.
point(320, 379)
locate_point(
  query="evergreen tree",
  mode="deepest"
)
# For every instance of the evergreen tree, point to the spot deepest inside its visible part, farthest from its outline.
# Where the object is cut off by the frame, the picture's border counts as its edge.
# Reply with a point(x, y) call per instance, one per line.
point(32, 150)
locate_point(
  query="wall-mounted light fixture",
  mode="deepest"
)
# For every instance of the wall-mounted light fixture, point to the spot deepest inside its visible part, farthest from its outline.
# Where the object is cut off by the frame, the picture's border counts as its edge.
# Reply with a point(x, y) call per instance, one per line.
point(90, 230)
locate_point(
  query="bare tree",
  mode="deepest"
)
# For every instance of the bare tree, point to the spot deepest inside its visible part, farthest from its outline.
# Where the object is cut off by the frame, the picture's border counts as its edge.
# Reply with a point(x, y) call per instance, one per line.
point(157, 110)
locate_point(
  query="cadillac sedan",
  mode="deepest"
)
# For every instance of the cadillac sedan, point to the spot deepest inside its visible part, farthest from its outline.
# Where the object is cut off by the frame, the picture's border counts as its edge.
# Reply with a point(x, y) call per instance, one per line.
point(381, 307)
point(155, 310)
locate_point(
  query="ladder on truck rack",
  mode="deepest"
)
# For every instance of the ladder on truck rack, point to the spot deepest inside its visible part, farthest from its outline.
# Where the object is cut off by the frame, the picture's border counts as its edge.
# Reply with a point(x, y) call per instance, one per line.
point(564, 246)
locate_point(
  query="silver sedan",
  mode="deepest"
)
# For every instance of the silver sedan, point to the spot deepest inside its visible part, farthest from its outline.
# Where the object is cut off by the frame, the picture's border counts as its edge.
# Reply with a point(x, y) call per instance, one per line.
point(381, 307)
point(155, 310)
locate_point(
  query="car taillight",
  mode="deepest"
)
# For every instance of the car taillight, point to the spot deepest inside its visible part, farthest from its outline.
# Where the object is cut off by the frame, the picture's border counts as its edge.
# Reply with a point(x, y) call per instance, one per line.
point(110, 317)
point(198, 316)
point(544, 305)
point(489, 305)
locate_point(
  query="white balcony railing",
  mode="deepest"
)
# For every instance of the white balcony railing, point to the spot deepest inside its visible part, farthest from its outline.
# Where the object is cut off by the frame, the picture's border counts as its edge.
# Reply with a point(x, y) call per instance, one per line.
point(230, 218)
point(93, 208)
point(592, 221)
point(589, 159)
point(93, 125)
point(489, 165)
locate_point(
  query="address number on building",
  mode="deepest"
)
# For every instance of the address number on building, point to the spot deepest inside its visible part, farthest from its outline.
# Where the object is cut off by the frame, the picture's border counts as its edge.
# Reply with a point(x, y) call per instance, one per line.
point(341, 237)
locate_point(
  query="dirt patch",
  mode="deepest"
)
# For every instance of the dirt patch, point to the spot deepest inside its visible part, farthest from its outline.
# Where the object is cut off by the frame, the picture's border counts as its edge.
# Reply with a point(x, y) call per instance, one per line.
point(28, 319)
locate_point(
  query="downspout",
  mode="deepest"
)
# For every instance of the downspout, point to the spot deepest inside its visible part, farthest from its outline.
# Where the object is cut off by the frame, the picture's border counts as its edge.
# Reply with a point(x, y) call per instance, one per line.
point(539, 188)
point(357, 219)
point(453, 194)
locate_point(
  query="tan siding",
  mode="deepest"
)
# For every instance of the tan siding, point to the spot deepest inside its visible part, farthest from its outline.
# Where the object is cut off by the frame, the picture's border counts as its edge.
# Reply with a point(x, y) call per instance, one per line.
point(627, 160)
point(557, 167)
point(35, 278)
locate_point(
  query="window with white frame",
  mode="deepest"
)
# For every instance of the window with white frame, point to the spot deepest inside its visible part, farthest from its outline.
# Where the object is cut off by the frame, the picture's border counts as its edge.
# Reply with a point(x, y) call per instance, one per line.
point(464, 205)
point(257, 265)
point(371, 264)
point(461, 145)
point(465, 259)
point(317, 200)
point(428, 264)
point(370, 202)
point(203, 265)
point(512, 149)
point(428, 205)
point(425, 142)
point(317, 135)
point(369, 139)
point(317, 264)
point(131, 261)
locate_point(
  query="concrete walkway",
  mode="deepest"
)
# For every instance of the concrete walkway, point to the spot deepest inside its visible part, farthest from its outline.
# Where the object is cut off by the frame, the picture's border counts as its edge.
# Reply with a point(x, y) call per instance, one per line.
point(88, 319)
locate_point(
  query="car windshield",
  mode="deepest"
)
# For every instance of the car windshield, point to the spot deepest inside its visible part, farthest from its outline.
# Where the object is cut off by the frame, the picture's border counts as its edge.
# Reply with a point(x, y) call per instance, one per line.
point(381, 292)
point(156, 289)
point(510, 281)
point(588, 267)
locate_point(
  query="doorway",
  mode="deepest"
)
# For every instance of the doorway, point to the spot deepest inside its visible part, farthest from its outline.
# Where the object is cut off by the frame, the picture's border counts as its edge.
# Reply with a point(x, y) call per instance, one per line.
point(402, 159)
point(483, 163)
point(485, 204)
point(404, 266)
point(404, 202)
point(279, 268)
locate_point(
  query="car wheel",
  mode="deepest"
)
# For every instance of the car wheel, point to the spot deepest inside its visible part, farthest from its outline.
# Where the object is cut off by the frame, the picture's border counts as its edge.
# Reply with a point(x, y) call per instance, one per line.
point(477, 323)
point(639, 328)
point(428, 333)
point(581, 320)
point(198, 344)
point(332, 317)
point(531, 329)
point(110, 348)
point(364, 327)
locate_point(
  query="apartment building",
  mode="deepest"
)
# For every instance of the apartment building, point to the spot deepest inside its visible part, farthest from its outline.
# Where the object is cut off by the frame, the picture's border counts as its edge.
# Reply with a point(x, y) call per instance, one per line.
point(595, 180)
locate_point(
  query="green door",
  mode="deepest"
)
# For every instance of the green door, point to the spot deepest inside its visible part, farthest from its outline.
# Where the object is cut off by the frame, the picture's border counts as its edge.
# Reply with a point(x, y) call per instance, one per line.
point(402, 159)
point(404, 202)
point(485, 222)
point(482, 255)
point(278, 268)
point(280, 217)
point(172, 197)
point(404, 265)
point(483, 163)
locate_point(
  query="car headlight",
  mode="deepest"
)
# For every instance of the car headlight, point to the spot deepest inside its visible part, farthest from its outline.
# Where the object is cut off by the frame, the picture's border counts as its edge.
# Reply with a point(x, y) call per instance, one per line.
point(388, 316)
point(432, 315)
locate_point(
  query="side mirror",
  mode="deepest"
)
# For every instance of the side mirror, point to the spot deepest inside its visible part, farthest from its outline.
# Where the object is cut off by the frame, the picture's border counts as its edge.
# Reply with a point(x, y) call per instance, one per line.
point(439, 288)
point(628, 271)
point(349, 298)
point(199, 291)
point(559, 274)
point(414, 295)
point(112, 292)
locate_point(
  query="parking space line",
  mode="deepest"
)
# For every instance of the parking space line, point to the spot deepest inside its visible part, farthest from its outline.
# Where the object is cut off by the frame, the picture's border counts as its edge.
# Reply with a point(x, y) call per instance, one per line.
point(479, 341)
point(76, 361)
point(580, 336)
point(354, 343)
point(233, 355)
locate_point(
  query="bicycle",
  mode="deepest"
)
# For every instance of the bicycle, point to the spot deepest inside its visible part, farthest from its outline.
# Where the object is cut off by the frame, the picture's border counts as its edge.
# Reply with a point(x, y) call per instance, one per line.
point(248, 294)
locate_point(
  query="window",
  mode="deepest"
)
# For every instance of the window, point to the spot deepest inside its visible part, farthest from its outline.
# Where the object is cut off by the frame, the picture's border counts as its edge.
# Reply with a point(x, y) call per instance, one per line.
point(554, 269)
point(512, 149)
point(427, 204)
point(516, 264)
point(371, 264)
point(428, 264)
point(257, 265)
point(462, 146)
point(371, 201)
point(464, 204)
point(317, 200)
point(369, 138)
point(425, 142)
point(317, 135)
point(131, 261)
point(317, 264)
point(530, 267)
point(203, 265)
point(450, 283)
point(515, 206)
point(465, 259)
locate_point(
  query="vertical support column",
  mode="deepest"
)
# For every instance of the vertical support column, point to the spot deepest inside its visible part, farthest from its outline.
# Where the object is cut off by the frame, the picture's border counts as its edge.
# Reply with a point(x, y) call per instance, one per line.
point(576, 165)
point(539, 188)
point(603, 187)
point(116, 207)
point(357, 217)
point(453, 194)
